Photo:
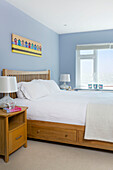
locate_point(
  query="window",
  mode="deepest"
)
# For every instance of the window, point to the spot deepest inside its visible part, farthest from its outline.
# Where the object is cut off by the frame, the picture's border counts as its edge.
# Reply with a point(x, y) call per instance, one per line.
point(94, 64)
point(86, 71)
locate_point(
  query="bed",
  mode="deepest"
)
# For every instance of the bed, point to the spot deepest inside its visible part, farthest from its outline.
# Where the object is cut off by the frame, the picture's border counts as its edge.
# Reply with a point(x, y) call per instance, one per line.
point(65, 132)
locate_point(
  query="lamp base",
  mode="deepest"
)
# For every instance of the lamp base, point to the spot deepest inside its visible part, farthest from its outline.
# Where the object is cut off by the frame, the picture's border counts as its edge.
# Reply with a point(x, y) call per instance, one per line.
point(64, 86)
point(7, 102)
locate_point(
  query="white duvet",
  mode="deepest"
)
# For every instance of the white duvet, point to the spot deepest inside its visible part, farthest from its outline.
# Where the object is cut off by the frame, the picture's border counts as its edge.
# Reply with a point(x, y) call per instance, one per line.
point(64, 106)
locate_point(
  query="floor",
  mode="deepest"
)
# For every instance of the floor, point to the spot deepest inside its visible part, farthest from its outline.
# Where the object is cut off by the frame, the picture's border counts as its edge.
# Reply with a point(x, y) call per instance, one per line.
point(48, 156)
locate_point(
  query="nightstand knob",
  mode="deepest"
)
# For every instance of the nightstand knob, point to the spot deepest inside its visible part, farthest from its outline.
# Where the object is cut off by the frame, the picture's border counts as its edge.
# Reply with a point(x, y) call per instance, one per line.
point(19, 137)
point(66, 135)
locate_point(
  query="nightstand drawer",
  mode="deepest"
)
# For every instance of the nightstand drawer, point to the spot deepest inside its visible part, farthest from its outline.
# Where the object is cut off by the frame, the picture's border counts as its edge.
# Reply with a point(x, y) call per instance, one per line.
point(16, 138)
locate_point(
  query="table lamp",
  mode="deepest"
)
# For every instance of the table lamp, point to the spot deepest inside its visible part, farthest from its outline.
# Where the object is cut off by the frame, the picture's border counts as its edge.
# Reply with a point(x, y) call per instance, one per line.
point(7, 85)
point(64, 78)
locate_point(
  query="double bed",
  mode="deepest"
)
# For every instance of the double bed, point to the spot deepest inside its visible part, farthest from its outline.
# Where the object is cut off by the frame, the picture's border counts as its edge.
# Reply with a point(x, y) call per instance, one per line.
point(61, 116)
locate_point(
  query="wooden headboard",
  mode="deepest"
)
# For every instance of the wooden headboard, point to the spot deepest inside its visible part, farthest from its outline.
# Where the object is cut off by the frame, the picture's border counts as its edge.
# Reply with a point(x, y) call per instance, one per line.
point(26, 76)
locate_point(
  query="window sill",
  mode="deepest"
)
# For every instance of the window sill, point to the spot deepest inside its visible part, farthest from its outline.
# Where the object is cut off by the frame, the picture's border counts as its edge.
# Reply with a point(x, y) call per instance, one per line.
point(77, 89)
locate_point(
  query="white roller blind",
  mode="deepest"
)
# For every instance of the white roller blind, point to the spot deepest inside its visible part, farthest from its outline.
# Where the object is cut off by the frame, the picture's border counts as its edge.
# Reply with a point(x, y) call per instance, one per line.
point(94, 46)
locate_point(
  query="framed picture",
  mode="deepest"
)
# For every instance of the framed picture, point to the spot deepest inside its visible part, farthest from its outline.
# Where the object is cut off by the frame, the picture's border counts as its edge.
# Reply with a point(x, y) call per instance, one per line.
point(25, 46)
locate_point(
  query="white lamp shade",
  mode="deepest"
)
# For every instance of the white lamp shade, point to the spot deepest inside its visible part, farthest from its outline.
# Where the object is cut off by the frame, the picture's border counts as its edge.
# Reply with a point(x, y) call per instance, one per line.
point(65, 77)
point(8, 84)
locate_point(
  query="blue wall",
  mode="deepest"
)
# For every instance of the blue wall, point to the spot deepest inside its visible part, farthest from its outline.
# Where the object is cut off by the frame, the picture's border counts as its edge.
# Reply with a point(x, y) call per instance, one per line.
point(68, 44)
point(15, 21)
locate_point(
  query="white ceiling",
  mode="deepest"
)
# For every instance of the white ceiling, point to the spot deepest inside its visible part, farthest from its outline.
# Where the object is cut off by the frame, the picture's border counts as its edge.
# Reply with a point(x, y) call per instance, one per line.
point(78, 15)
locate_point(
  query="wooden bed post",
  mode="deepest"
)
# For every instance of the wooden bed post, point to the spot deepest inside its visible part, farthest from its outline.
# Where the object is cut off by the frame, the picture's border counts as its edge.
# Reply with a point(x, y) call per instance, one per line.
point(49, 75)
point(4, 72)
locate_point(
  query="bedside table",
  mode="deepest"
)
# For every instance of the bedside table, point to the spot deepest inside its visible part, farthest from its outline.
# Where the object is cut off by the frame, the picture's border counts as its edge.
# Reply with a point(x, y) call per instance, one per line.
point(68, 89)
point(13, 131)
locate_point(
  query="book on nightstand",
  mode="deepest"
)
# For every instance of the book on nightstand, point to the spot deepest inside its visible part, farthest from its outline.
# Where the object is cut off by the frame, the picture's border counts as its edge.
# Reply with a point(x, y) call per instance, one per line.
point(15, 109)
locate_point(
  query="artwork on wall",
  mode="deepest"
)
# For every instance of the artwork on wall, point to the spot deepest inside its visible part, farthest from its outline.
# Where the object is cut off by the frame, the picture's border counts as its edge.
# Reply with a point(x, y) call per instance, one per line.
point(25, 46)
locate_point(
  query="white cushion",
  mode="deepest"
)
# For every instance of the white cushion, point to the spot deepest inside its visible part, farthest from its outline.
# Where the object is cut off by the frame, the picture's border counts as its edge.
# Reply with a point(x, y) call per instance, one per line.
point(33, 90)
point(51, 85)
point(19, 92)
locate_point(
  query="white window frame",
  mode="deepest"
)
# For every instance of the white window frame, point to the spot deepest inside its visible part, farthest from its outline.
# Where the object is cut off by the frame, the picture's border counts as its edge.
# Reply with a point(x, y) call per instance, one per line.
point(92, 56)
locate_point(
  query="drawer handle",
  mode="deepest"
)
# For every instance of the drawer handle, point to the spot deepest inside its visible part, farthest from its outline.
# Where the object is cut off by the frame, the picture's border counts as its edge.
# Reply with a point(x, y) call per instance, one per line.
point(66, 135)
point(38, 131)
point(19, 137)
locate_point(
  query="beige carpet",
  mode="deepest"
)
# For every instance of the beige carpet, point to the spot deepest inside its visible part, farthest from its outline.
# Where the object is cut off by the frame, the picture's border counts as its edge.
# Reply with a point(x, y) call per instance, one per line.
point(49, 156)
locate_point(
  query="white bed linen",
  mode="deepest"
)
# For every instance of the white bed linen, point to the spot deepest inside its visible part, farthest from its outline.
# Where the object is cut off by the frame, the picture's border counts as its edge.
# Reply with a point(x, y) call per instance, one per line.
point(64, 106)
point(99, 122)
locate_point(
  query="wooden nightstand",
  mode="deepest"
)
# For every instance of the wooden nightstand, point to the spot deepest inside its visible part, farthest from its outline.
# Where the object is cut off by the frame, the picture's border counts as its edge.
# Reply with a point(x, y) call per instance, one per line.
point(68, 89)
point(13, 131)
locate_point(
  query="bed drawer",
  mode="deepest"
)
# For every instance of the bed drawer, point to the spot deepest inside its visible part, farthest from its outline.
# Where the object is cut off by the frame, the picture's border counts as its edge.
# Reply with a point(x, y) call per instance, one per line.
point(53, 134)
point(84, 141)
point(16, 138)
point(90, 143)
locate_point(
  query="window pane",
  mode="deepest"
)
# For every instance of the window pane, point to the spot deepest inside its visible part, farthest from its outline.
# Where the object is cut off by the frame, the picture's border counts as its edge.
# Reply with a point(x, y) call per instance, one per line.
point(105, 68)
point(86, 52)
point(86, 72)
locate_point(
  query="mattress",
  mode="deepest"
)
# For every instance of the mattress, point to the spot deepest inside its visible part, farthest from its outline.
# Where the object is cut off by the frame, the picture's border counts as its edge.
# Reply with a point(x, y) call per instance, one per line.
point(64, 106)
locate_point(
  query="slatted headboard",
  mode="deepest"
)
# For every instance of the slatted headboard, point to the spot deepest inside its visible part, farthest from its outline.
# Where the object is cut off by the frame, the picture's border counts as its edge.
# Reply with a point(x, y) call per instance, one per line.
point(26, 76)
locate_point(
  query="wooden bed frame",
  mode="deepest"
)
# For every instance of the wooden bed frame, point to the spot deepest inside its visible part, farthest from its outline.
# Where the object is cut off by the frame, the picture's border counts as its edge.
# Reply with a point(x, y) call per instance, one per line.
point(50, 131)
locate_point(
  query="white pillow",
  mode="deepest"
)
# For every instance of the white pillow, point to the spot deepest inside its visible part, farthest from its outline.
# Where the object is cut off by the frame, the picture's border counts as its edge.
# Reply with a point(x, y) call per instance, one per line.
point(51, 85)
point(33, 90)
point(19, 92)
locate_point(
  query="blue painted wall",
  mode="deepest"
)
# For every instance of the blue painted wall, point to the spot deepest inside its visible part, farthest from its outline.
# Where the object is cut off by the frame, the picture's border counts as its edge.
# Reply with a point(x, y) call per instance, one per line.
point(68, 44)
point(15, 21)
